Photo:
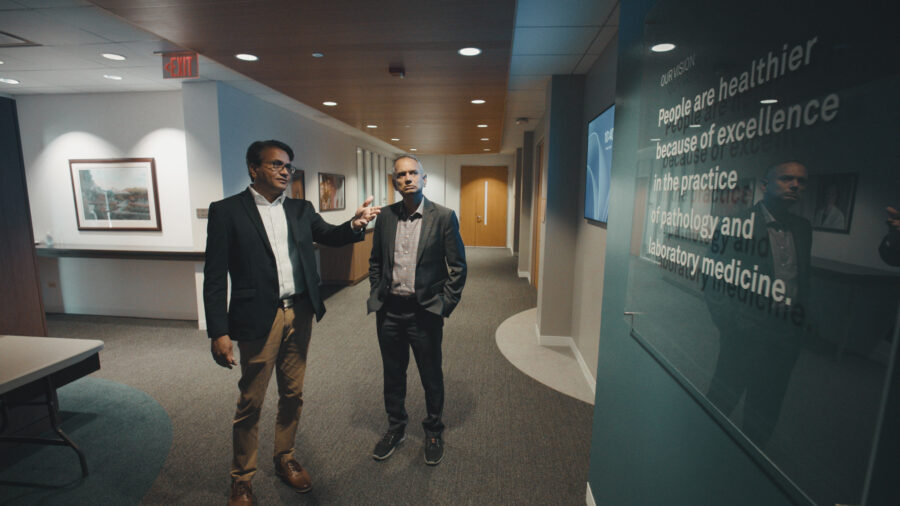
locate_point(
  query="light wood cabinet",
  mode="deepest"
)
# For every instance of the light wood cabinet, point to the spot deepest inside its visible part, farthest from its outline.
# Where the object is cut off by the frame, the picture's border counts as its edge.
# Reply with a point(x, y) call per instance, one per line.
point(346, 265)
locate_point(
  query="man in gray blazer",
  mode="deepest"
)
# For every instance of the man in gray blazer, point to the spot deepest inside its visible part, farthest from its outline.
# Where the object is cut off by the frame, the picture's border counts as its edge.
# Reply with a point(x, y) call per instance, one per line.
point(416, 275)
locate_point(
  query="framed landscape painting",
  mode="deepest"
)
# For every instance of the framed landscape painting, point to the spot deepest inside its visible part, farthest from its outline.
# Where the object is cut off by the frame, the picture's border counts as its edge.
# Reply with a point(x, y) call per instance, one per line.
point(115, 194)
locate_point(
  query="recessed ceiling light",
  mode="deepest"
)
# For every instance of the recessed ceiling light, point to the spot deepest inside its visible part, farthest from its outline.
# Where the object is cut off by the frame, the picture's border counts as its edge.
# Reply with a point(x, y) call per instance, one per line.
point(1, 62)
point(412, 149)
point(329, 103)
point(246, 57)
point(318, 55)
point(478, 101)
point(113, 56)
point(371, 126)
point(112, 77)
point(482, 126)
point(662, 48)
point(769, 101)
point(485, 139)
point(469, 51)
point(7, 80)
point(487, 149)
point(395, 139)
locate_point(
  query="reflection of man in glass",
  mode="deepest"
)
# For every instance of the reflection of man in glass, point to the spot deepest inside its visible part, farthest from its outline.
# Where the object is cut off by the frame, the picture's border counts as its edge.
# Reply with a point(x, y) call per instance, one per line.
point(890, 245)
point(760, 336)
point(829, 216)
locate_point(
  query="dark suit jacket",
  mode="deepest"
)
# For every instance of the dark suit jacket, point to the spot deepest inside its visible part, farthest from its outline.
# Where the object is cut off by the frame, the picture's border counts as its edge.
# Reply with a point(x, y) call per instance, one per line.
point(728, 312)
point(237, 244)
point(440, 262)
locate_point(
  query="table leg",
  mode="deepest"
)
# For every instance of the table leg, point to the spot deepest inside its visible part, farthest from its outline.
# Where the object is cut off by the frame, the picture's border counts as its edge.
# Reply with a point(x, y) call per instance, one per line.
point(53, 408)
point(52, 404)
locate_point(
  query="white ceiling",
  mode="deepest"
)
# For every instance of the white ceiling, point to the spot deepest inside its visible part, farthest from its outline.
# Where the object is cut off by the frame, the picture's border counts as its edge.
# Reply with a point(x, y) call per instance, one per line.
point(559, 37)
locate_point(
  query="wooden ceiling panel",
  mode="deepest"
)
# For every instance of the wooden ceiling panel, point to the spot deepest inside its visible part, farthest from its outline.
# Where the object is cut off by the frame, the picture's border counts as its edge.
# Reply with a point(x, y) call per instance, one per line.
point(360, 40)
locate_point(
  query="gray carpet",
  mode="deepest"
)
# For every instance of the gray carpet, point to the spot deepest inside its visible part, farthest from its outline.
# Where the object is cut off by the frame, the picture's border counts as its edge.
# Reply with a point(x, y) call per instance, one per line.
point(509, 439)
point(114, 425)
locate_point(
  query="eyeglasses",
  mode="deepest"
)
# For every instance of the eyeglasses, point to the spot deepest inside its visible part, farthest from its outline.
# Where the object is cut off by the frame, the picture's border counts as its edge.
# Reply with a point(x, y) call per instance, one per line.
point(277, 166)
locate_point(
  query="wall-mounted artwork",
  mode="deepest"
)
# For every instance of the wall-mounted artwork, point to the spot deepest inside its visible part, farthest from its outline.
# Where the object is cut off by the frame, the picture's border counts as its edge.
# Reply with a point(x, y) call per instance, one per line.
point(298, 185)
point(834, 196)
point(115, 194)
point(331, 192)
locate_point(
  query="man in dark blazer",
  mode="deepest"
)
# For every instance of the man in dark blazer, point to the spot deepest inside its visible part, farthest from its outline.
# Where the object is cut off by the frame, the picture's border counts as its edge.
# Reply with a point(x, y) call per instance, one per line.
point(416, 275)
point(263, 241)
point(760, 338)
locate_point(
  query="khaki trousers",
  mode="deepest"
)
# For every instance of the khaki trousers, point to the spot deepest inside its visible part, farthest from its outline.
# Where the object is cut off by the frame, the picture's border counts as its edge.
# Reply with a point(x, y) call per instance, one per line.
point(285, 351)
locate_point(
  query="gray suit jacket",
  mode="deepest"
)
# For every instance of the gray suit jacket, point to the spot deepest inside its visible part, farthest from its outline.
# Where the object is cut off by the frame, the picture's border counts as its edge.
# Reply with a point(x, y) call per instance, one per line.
point(440, 261)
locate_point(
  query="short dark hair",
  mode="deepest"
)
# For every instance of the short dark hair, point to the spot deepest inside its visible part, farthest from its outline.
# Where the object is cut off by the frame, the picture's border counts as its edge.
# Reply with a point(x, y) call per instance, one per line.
point(254, 152)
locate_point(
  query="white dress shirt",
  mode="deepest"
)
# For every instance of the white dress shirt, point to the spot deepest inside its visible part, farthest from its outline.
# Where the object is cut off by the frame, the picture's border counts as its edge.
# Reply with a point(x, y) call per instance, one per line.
point(275, 223)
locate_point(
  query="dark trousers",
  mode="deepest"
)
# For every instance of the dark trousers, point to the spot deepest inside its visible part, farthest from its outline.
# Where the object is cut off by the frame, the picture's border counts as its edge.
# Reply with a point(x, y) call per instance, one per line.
point(757, 364)
point(403, 324)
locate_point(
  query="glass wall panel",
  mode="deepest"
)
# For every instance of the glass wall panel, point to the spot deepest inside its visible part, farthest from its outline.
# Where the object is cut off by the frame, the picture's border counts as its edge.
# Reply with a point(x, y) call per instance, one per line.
point(763, 271)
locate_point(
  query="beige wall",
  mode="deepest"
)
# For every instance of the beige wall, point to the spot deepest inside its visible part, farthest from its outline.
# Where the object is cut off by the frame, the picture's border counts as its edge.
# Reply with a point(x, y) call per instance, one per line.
point(570, 307)
point(590, 238)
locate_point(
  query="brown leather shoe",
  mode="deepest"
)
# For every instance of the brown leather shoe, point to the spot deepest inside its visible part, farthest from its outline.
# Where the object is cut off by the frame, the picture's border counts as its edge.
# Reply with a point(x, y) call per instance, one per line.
point(241, 495)
point(292, 473)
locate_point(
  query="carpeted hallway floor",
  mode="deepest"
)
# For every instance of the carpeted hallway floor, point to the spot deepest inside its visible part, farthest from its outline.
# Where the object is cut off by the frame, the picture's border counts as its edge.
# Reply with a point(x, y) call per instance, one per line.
point(509, 439)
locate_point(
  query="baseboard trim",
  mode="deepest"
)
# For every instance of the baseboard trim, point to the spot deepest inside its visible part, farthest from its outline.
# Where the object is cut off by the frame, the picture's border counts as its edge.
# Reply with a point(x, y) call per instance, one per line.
point(526, 275)
point(570, 343)
point(588, 375)
point(589, 496)
point(556, 341)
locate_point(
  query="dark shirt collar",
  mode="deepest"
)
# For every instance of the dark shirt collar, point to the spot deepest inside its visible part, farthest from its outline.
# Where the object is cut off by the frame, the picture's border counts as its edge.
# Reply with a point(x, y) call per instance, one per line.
point(415, 215)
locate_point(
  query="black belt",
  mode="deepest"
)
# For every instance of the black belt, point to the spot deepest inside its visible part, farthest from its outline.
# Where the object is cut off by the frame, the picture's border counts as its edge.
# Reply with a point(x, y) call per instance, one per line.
point(289, 301)
point(402, 302)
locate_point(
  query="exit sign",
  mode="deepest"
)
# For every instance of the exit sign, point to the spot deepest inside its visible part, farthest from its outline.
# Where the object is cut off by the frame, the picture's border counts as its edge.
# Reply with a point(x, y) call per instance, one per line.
point(180, 65)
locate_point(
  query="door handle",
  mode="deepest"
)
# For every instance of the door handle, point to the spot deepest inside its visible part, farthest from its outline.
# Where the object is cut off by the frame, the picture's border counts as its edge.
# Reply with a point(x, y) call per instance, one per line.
point(478, 219)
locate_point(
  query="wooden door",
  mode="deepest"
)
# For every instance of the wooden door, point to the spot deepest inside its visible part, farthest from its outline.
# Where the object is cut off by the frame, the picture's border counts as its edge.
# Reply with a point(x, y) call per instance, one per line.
point(482, 206)
point(539, 203)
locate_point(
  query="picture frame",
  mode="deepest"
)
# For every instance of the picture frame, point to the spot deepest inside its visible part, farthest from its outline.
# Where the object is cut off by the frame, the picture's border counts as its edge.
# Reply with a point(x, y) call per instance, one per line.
point(298, 185)
point(332, 195)
point(115, 194)
point(831, 199)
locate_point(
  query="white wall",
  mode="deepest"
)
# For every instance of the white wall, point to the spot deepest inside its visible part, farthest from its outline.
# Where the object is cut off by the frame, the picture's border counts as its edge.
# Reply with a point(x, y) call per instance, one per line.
point(203, 151)
point(56, 128)
point(198, 138)
point(244, 118)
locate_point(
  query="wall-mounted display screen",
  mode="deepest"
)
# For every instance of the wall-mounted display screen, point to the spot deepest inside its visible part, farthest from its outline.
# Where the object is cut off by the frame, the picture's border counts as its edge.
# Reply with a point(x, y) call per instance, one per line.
point(599, 161)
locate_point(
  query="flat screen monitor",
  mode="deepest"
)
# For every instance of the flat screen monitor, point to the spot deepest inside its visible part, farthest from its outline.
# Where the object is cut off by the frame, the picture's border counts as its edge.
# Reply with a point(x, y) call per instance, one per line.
point(599, 161)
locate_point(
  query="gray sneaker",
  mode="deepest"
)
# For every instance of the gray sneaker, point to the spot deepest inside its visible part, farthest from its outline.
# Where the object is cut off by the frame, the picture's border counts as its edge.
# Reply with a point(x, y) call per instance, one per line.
point(434, 450)
point(389, 442)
